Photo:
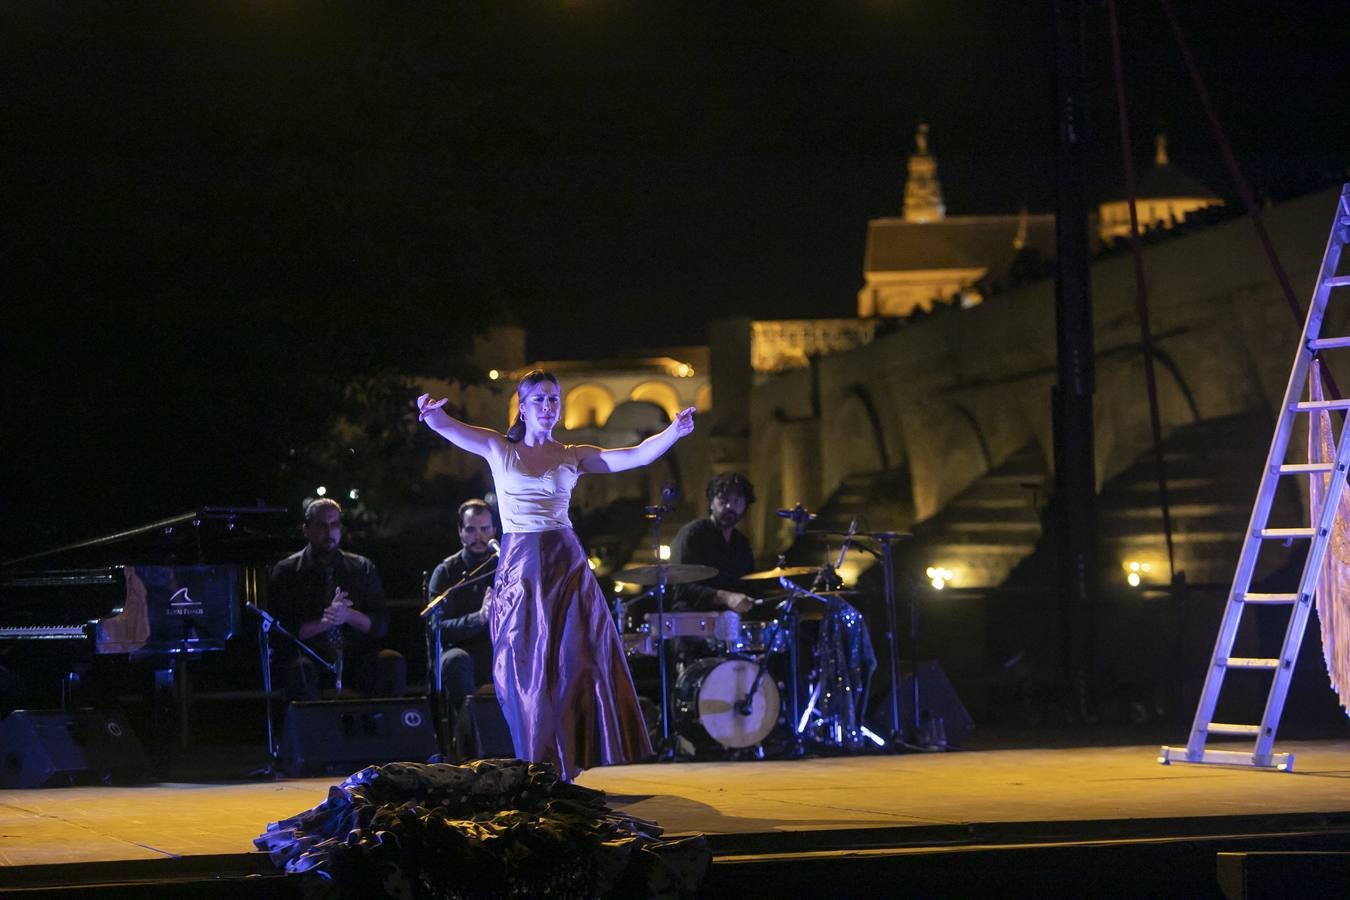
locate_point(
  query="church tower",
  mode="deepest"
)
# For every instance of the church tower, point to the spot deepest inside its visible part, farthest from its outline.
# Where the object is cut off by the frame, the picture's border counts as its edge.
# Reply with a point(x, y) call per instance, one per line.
point(923, 191)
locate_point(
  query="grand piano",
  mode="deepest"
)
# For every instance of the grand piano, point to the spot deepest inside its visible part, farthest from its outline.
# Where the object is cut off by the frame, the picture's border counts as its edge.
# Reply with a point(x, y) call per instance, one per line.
point(158, 593)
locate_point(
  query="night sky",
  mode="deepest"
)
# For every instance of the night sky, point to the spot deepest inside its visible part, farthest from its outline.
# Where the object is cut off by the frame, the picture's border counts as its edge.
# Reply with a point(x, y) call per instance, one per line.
point(210, 206)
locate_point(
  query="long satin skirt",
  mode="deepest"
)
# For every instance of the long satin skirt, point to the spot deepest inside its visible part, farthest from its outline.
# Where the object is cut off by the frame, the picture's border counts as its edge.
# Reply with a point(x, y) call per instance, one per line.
point(559, 667)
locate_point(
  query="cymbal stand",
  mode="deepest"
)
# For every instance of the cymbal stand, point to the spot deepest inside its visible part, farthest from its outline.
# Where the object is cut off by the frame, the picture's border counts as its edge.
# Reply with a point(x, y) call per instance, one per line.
point(898, 737)
point(666, 750)
point(266, 624)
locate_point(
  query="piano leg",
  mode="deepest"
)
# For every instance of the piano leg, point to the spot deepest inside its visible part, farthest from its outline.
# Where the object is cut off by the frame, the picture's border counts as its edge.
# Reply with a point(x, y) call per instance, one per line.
point(172, 690)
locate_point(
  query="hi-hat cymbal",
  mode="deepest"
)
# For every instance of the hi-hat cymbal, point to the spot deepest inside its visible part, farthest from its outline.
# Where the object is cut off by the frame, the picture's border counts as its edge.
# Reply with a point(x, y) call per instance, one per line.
point(675, 573)
point(781, 572)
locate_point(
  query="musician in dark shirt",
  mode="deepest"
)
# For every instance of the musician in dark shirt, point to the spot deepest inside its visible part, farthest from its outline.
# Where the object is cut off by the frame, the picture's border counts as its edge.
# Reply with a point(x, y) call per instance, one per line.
point(334, 601)
point(467, 663)
point(714, 540)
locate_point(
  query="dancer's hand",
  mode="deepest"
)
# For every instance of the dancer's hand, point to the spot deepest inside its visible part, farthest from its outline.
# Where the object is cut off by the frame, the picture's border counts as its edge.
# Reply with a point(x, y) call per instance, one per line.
point(425, 406)
point(684, 422)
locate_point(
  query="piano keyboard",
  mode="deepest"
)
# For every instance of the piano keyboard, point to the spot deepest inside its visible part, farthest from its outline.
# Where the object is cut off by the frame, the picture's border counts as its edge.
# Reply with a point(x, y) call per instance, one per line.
point(42, 632)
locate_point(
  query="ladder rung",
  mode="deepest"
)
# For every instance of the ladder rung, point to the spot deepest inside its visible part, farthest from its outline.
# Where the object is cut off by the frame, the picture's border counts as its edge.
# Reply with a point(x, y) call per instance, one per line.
point(1282, 533)
point(1329, 343)
point(1234, 730)
point(1272, 599)
point(1305, 468)
point(1246, 662)
point(1339, 281)
point(1320, 405)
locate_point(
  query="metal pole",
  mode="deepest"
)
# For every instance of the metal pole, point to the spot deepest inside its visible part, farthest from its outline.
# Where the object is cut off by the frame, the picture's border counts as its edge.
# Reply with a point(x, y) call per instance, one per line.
point(1075, 465)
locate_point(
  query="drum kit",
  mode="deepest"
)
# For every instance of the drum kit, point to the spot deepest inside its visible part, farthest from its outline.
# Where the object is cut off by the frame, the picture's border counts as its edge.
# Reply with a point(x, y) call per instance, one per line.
point(730, 699)
point(739, 679)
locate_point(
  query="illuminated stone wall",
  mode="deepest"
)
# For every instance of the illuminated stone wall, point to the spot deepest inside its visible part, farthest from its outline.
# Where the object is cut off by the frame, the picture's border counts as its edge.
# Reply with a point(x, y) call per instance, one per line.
point(958, 393)
point(777, 345)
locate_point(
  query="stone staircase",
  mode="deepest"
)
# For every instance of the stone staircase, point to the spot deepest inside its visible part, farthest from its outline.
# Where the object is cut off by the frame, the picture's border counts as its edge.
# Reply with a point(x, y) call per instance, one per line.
point(1213, 469)
point(984, 532)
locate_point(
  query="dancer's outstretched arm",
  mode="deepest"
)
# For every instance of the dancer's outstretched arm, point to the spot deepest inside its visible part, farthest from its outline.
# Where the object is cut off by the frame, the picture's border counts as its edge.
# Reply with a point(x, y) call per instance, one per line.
point(464, 436)
point(596, 459)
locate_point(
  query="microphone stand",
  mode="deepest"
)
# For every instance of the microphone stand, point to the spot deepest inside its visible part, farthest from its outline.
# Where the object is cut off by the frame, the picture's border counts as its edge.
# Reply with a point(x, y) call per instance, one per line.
point(266, 623)
point(436, 679)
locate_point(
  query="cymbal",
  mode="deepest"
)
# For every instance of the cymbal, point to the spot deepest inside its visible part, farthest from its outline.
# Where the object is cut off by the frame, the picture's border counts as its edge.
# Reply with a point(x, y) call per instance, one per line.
point(781, 572)
point(675, 573)
point(878, 535)
point(785, 596)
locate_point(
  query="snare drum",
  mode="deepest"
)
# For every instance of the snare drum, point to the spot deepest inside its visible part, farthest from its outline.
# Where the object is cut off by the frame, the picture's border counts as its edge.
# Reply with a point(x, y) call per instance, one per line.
point(723, 625)
point(709, 698)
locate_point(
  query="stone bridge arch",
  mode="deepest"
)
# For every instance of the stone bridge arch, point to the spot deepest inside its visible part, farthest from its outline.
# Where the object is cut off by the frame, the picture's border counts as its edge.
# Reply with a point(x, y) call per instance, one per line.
point(1121, 411)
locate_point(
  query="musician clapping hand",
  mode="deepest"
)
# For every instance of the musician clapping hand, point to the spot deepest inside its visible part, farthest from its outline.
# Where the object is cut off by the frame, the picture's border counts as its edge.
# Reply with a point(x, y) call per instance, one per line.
point(342, 612)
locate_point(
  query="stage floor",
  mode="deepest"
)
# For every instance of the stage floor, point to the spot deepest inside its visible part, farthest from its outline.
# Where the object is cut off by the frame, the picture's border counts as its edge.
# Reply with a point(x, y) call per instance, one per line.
point(907, 794)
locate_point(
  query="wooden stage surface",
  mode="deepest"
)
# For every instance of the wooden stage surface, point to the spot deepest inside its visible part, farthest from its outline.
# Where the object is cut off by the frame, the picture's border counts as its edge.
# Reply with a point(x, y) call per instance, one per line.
point(806, 799)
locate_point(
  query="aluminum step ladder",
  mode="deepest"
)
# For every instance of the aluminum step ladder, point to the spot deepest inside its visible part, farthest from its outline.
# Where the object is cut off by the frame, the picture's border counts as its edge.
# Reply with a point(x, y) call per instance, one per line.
point(1203, 728)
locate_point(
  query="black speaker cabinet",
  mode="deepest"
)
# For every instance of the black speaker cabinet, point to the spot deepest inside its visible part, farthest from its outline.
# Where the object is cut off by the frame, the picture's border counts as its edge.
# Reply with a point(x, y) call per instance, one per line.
point(329, 737)
point(50, 748)
point(481, 731)
point(937, 701)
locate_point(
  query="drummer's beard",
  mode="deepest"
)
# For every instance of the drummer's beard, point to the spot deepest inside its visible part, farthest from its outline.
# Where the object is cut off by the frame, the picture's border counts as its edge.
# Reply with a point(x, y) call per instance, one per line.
point(727, 518)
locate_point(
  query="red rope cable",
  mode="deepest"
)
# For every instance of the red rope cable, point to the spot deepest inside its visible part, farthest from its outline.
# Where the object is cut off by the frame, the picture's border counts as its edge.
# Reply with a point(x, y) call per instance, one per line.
point(1244, 191)
point(1140, 290)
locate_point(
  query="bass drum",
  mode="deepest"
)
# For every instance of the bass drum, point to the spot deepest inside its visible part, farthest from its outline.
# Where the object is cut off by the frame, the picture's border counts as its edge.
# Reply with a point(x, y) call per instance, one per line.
point(707, 697)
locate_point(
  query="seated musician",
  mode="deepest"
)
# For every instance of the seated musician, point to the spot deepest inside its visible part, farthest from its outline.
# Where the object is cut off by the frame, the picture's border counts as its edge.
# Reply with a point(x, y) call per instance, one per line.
point(714, 540)
point(334, 602)
point(467, 663)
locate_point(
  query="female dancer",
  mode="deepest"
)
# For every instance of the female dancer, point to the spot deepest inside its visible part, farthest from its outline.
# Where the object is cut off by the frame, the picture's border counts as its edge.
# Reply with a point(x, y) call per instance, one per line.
point(558, 662)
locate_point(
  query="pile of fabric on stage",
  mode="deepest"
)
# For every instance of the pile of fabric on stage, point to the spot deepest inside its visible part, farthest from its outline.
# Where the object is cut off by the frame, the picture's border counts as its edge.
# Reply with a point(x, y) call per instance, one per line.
point(489, 828)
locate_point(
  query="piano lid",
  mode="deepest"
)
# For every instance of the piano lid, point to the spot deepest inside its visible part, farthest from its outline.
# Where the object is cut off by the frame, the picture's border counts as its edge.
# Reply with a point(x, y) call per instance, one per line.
point(212, 534)
point(60, 597)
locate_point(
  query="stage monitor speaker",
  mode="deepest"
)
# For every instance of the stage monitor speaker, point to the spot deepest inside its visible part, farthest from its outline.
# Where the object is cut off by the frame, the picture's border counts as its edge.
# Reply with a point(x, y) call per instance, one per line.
point(51, 748)
point(329, 737)
point(937, 700)
point(481, 731)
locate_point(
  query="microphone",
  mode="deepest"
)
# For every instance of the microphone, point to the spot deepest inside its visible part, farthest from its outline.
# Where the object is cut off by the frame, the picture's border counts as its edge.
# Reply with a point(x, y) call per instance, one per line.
point(670, 499)
point(495, 546)
point(799, 516)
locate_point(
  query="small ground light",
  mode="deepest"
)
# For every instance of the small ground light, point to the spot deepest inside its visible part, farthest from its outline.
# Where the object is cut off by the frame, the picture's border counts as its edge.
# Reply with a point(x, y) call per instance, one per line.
point(354, 494)
point(938, 577)
point(321, 491)
point(1135, 572)
point(664, 552)
point(494, 374)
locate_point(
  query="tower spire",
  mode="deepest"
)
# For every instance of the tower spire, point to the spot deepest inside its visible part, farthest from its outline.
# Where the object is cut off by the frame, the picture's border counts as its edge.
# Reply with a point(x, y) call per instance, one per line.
point(923, 191)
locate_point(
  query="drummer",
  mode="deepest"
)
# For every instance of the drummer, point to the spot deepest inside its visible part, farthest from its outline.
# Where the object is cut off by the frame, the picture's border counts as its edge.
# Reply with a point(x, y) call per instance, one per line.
point(713, 540)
